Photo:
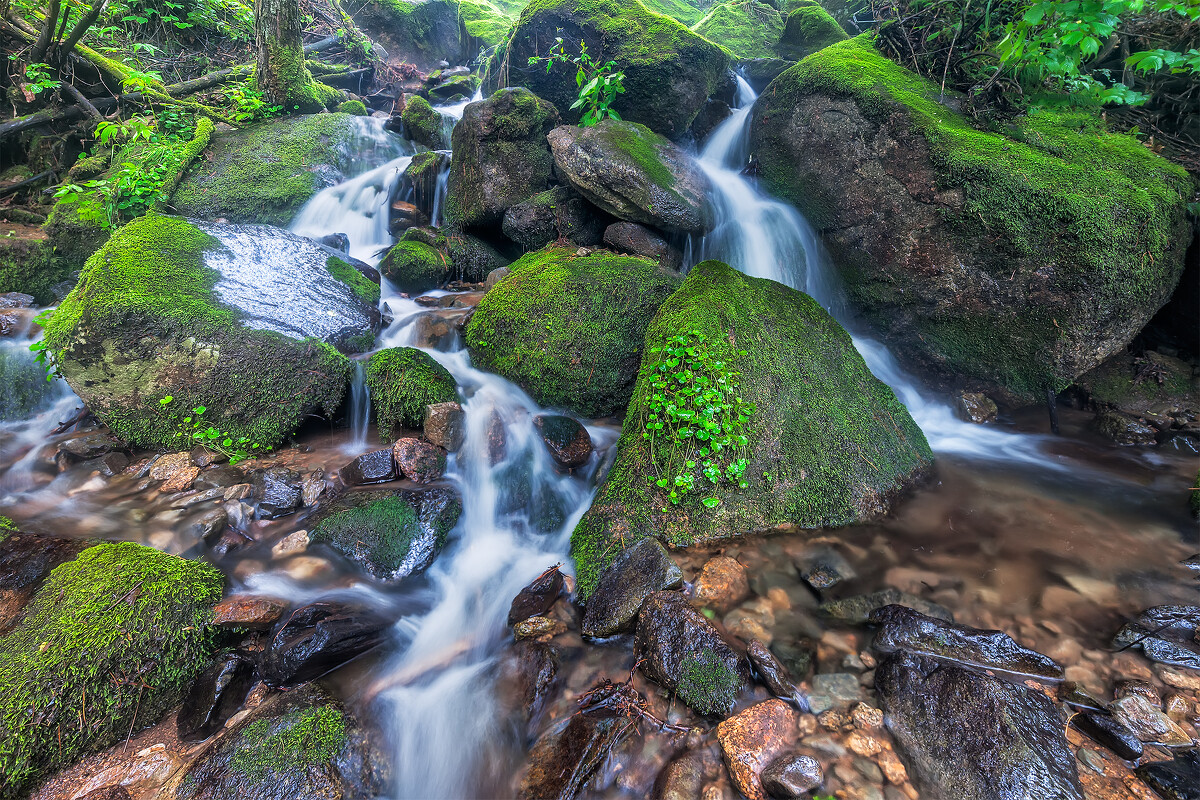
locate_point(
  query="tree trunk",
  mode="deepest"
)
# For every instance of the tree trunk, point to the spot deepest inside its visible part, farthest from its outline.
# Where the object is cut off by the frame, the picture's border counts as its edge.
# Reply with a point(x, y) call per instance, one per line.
point(281, 73)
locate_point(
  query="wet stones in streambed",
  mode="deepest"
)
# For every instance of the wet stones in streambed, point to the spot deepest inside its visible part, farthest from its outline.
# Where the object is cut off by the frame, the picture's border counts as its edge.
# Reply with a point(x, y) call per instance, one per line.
point(215, 696)
point(1168, 634)
point(247, 611)
point(905, 629)
point(721, 584)
point(90, 445)
point(1146, 721)
point(419, 461)
point(970, 736)
point(825, 569)
point(772, 673)
point(685, 654)
point(567, 439)
point(378, 466)
point(318, 638)
point(278, 492)
point(25, 561)
point(1174, 780)
point(634, 575)
point(389, 535)
point(792, 776)
point(567, 754)
point(858, 609)
point(538, 597)
point(1108, 731)
point(753, 739)
point(529, 677)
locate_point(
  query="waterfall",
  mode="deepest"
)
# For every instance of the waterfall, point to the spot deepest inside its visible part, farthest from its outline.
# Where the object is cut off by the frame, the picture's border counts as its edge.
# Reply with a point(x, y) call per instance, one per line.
point(766, 238)
point(360, 408)
point(451, 114)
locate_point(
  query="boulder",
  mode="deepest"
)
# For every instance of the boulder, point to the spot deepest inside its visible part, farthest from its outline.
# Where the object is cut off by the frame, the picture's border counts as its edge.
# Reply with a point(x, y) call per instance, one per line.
point(568, 329)
point(424, 125)
point(638, 240)
point(636, 175)
point(471, 257)
point(378, 466)
point(968, 736)
point(33, 266)
point(316, 639)
point(418, 460)
point(827, 443)
point(566, 755)
point(421, 32)
point(538, 597)
point(558, 213)
point(747, 29)
point(403, 381)
point(444, 425)
point(567, 440)
point(266, 171)
point(636, 573)
point(116, 610)
point(754, 739)
point(528, 677)
point(1135, 392)
point(685, 654)
point(25, 561)
point(415, 267)
point(171, 308)
point(500, 156)
point(1029, 255)
point(808, 29)
point(669, 71)
point(389, 535)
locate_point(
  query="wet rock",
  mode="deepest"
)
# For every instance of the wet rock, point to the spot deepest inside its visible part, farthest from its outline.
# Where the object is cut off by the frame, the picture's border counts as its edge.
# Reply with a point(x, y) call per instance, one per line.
point(837, 691)
point(752, 740)
point(140, 775)
point(684, 777)
point(248, 611)
point(495, 276)
point(528, 677)
point(312, 489)
point(377, 466)
point(167, 466)
point(636, 573)
point(214, 697)
point(538, 597)
point(93, 445)
point(444, 425)
point(25, 561)
point(317, 638)
point(567, 754)
point(1108, 731)
point(858, 609)
point(1166, 651)
point(905, 629)
point(107, 793)
point(771, 672)
point(969, 736)
point(976, 407)
point(638, 240)
point(722, 584)
point(290, 545)
point(1125, 428)
point(16, 300)
point(277, 492)
point(1174, 780)
point(1167, 634)
point(209, 524)
point(419, 461)
point(825, 569)
point(568, 441)
point(792, 776)
point(540, 628)
point(685, 654)
point(1147, 722)
point(497, 439)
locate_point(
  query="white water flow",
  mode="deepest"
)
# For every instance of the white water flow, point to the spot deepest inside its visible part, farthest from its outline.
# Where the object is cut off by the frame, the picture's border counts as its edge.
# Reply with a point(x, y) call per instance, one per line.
point(766, 238)
point(360, 408)
point(451, 114)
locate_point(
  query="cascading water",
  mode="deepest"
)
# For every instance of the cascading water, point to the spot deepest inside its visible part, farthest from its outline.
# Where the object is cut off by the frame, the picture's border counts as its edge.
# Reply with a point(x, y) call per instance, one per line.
point(767, 238)
point(360, 408)
point(451, 114)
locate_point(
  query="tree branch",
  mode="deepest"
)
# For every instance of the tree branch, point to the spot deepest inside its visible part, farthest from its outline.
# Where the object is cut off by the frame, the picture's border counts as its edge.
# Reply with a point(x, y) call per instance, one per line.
point(38, 54)
point(85, 22)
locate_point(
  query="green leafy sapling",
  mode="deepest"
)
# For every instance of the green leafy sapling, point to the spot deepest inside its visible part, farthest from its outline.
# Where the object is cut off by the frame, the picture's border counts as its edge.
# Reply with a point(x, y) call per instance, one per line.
point(598, 83)
point(194, 429)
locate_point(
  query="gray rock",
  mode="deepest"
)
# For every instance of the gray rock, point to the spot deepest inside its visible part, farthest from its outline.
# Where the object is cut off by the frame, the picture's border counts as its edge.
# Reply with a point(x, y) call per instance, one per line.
point(792, 776)
point(825, 569)
point(636, 573)
point(770, 671)
point(1125, 428)
point(444, 425)
point(1147, 722)
point(16, 300)
point(838, 691)
point(278, 493)
point(976, 407)
point(1110, 732)
point(638, 240)
point(378, 466)
point(858, 609)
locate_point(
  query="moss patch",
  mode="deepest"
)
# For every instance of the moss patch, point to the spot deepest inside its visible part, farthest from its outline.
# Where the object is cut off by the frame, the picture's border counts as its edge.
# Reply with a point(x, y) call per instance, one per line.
point(569, 329)
point(424, 125)
point(707, 684)
point(807, 30)
point(305, 737)
point(403, 380)
point(30, 266)
point(746, 28)
point(415, 267)
point(366, 289)
point(355, 107)
point(105, 646)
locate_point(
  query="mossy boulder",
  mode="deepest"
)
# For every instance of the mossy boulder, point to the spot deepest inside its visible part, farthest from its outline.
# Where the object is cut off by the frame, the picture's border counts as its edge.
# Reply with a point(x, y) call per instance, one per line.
point(421, 32)
point(356, 107)
point(634, 174)
point(689, 12)
point(424, 125)
point(265, 172)
point(669, 70)
point(808, 29)
point(486, 24)
point(828, 444)
point(558, 213)
point(166, 308)
point(23, 385)
point(1008, 261)
point(568, 329)
point(746, 28)
point(29, 265)
point(472, 256)
point(415, 267)
point(403, 380)
point(389, 535)
point(107, 645)
point(500, 156)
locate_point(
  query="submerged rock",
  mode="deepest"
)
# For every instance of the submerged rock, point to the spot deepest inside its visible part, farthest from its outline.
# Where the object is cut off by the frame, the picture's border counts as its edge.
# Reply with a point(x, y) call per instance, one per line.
point(818, 409)
point(753, 739)
point(792, 777)
point(771, 672)
point(538, 597)
point(569, 443)
point(528, 677)
point(317, 638)
point(968, 736)
point(567, 754)
point(722, 584)
point(636, 573)
point(1174, 780)
point(858, 609)
point(216, 694)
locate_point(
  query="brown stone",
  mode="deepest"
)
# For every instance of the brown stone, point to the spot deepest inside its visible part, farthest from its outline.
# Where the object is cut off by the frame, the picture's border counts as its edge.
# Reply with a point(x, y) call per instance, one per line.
point(751, 740)
point(181, 479)
point(539, 628)
point(866, 716)
point(248, 611)
point(444, 425)
point(722, 584)
point(166, 466)
point(893, 769)
point(419, 461)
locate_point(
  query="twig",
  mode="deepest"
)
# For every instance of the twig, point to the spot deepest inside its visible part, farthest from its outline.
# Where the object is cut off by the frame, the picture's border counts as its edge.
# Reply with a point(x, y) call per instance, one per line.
point(83, 102)
point(16, 187)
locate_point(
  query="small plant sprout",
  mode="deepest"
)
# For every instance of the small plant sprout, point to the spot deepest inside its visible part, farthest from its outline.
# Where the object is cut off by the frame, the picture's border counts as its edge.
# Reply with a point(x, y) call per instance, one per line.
point(195, 429)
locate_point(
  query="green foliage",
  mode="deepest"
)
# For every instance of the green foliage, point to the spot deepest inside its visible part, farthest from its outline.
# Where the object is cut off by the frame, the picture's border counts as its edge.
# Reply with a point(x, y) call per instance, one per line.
point(303, 738)
point(746, 28)
point(38, 77)
point(366, 289)
point(6, 524)
point(195, 430)
point(403, 380)
point(694, 418)
point(598, 84)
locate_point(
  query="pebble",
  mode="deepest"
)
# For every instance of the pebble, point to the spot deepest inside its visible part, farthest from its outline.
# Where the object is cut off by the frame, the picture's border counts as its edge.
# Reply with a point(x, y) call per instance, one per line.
point(290, 545)
point(866, 716)
point(833, 720)
point(806, 725)
point(1179, 680)
point(864, 744)
point(892, 767)
point(869, 770)
point(722, 584)
point(752, 740)
point(839, 690)
point(792, 776)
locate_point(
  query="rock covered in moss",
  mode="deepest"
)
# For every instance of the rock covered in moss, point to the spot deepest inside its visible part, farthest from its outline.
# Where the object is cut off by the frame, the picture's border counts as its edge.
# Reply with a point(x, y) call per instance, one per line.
point(558, 213)
point(473, 258)
point(1154, 386)
point(808, 29)
point(166, 309)
point(390, 535)
point(424, 125)
point(827, 443)
point(748, 29)
point(634, 174)
point(421, 32)
point(669, 71)
point(403, 381)
point(638, 572)
point(355, 107)
point(568, 329)
point(106, 645)
point(415, 267)
point(500, 156)
point(1028, 255)
point(31, 265)
point(267, 171)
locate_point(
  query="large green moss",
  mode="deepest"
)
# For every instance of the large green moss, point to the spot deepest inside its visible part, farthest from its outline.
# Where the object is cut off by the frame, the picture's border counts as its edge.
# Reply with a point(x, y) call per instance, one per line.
point(689, 12)
point(669, 70)
point(424, 125)
point(746, 28)
point(828, 445)
point(423, 32)
point(31, 266)
point(415, 267)
point(568, 329)
point(366, 289)
point(143, 323)
point(484, 21)
point(403, 380)
point(807, 30)
point(265, 172)
point(106, 646)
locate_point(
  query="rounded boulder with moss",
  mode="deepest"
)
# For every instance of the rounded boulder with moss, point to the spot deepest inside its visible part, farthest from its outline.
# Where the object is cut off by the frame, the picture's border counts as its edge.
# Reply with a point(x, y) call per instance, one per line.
point(415, 267)
point(172, 308)
point(423, 125)
point(403, 380)
point(808, 28)
point(568, 329)
point(826, 443)
point(746, 28)
point(1007, 261)
point(107, 645)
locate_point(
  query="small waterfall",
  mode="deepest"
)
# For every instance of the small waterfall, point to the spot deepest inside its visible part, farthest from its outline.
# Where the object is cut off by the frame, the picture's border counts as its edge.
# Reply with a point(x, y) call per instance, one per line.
point(766, 238)
point(360, 407)
point(451, 114)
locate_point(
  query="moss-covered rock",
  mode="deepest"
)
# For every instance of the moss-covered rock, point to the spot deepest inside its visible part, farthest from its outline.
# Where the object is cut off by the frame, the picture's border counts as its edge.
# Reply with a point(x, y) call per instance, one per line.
point(415, 267)
point(1026, 256)
point(828, 443)
point(746, 28)
point(568, 329)
point(485, 23)
point(390, 535)
point(106, 645)
point(808, 29)
point(267, 171)
point(29, 265)
point(669, 70)
point(558, 213)
point(500, 156)
point(422, 32)
point(1140, 384)
point(689, 12)
point(145, 322)
point(472, 257)
point(423, 125)
point(403, 380)
point(356, 108)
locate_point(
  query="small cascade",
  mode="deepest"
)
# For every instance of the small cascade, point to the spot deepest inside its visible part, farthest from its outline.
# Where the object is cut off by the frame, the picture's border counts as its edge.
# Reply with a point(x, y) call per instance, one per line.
point(766, 238)
point(360, 408)
point(451, 114)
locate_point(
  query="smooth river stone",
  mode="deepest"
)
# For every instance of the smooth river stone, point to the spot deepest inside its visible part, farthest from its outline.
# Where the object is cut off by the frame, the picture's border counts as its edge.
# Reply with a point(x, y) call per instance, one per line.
point(637, 572)
point(858, 609)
